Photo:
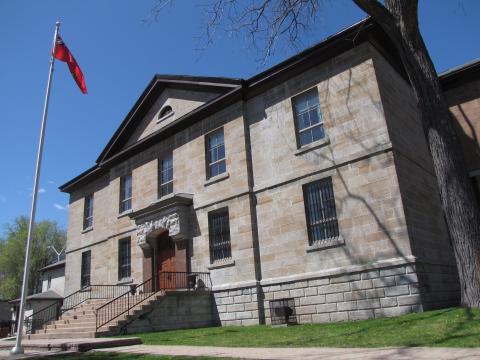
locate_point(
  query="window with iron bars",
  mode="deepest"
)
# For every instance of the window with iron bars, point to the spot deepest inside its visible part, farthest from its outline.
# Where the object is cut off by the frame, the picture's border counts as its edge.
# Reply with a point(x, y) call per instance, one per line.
point(88, 212)
point(124, 259)
point(219, 235)
point(215, 153)
point(166, 176)
point(320, 210)
point(308, 118)
point(125, 193)
point(85, 271)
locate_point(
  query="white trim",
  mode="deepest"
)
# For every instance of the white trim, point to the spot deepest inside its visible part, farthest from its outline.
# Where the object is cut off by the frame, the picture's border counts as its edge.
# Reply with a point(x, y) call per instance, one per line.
point(217, 178)
point(312, 146)
point(221, 264)
point(165, 117)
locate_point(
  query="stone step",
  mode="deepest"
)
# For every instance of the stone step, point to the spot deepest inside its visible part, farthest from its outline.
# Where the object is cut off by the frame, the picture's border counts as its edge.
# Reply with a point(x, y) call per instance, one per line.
point(70, 330)
point(73, 317)
point(89, 324)
point(64, 335)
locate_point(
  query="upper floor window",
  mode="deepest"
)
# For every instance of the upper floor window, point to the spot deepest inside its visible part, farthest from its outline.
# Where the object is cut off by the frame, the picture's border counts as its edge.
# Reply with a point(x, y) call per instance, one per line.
point(320, 210)
point(124, 259)
point(308, 118)
point(85, 270)
point(216, 164)
point(166, 175)
point(49, 281)
point(219, 235)
point(88, 212)
point(166, 112)
point(125, 193)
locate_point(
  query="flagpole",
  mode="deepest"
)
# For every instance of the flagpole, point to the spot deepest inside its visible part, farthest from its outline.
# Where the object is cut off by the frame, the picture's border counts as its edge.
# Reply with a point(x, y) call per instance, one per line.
point(18, 349)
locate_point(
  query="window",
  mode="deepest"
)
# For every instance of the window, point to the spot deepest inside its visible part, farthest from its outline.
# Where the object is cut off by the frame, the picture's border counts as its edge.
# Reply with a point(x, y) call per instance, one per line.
point(165, 112)
point(85, 272)
point(88, 212)
point(125, 193)
point(124, 256)
point(166, 176)
point(320, 210)
point(49, 282)
point(215, 153)
point(219, 234)
point(308, 118)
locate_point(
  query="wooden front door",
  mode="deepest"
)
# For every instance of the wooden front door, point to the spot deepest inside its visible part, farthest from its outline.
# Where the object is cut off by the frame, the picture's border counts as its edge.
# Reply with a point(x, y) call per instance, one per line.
point(166, 264)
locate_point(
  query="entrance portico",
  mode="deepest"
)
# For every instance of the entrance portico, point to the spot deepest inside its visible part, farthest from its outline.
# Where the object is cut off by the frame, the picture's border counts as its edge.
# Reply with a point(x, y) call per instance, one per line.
point(163, 234)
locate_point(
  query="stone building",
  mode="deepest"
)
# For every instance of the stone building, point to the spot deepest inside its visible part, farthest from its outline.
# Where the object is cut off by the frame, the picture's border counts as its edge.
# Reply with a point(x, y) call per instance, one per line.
point(309, 184)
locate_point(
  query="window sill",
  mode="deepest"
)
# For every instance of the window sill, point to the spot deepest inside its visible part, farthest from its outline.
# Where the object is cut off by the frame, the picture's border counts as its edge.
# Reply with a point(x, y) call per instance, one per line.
point(125, 213)
point(165, 117)
point(217, 178)
point(87, 230)
point(221, 264)
point(165, 197)
point(326, 244)
point(124, 281)
point(312, 146)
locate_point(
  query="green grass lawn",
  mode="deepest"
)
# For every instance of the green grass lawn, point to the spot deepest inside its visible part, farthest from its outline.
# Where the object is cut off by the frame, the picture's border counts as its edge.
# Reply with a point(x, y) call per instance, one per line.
point(454, 327)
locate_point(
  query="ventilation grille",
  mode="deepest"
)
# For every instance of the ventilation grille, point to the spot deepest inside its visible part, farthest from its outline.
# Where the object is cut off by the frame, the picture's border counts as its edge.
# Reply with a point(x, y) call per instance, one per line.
point(282, 312)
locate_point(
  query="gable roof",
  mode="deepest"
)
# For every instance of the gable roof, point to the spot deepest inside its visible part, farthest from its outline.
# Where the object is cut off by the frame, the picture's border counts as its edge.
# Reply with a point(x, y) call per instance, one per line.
point(56, 265)
point(232, 90)
point(150, 95)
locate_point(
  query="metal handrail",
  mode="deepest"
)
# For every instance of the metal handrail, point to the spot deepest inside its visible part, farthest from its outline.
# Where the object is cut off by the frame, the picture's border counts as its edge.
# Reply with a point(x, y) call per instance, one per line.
point(168, 280)
point(55, 310)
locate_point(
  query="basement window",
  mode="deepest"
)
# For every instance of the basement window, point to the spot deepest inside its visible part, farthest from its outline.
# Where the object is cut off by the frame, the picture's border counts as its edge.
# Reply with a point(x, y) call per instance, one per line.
point(282, 312)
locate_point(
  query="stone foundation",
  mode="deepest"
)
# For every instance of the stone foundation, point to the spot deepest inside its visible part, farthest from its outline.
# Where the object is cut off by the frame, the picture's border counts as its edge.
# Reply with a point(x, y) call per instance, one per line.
point(175, 310)
point(361, 295)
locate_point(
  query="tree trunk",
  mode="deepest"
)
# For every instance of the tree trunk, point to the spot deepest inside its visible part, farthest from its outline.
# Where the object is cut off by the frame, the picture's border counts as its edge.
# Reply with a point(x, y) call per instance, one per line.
point(399, 19)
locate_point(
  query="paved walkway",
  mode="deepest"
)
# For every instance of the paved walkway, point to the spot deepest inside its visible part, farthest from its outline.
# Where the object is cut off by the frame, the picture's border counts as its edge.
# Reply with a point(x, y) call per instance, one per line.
point(305, 353)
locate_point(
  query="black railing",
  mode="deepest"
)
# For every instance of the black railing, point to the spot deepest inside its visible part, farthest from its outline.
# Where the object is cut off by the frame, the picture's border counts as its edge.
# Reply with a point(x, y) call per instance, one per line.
point(168, 280)
point(55, 310)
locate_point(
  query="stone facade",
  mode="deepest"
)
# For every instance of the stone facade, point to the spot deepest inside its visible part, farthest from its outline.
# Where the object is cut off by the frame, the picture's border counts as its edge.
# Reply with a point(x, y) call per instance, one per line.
point(392, 254)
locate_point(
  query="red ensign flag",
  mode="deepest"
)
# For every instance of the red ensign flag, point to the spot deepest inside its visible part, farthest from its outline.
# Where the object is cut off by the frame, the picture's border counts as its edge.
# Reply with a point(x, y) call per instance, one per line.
point(63, 54)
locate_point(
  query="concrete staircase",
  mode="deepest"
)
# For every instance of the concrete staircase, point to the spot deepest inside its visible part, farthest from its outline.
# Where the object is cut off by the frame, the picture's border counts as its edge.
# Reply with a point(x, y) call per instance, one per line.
point(80, 322)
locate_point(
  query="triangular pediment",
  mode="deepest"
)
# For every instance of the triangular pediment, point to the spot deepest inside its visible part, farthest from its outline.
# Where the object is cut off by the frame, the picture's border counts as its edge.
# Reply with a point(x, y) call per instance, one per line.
point(166, 99)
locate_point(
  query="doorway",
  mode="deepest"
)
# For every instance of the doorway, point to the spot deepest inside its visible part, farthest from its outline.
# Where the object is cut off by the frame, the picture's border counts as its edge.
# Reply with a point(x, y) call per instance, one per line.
point(166, 263)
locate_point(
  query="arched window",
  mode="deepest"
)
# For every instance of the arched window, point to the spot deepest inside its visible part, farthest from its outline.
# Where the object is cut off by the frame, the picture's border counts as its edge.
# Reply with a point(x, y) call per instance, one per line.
point(165, 112)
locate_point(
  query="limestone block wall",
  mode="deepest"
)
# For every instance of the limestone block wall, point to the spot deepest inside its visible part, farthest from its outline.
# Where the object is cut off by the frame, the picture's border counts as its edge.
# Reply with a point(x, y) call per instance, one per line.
point(376, 291)
point(188, 148)
point(175, 310)
point(240, 268)
point(418, 184)
point(352, 114)
point(104, 263)
point(370, 220)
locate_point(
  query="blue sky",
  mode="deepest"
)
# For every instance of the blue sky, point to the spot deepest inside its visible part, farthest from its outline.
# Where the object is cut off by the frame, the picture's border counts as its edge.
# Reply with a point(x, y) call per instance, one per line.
point(119, 54)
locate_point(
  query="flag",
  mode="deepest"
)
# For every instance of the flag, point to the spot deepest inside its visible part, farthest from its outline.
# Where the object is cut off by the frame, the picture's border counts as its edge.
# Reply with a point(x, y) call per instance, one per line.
point(62, 53)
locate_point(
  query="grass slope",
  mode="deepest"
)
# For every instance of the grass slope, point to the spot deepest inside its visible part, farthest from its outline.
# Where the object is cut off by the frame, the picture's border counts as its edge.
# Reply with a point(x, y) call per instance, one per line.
point(454, 327)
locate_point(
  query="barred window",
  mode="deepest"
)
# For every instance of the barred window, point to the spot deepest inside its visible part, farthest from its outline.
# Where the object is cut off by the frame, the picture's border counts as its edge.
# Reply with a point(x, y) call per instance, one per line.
point(85, 271)
point(124, 259)
point(166, 176)
point(308, 118)
point(88, 212)
point(216, 164)
point(125, 193)
point(320, 210)
point(219, 235)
